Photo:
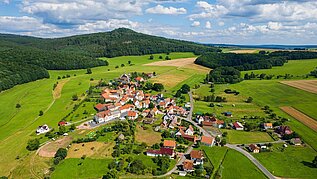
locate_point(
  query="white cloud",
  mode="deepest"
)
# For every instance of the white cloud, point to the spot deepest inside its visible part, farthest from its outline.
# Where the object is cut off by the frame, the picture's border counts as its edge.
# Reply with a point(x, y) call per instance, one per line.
point(195, 24)
point(208, 25)
point(5, 1)
point(159, 9)
point(78, 11)
point(22, 24)
point(221, 23)
point(107, 25)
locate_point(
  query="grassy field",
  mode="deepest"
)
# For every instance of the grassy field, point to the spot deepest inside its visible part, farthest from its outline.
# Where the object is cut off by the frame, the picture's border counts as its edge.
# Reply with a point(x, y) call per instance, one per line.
point(292, 67)
point(242, 167)
point(275, 95)
point(290, 162)
point(243, 137)
point(79, 168)
point(215, 155)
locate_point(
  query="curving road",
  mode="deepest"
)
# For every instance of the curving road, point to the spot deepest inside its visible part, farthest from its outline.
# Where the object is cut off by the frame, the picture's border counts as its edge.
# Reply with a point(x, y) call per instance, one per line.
point(253, 160)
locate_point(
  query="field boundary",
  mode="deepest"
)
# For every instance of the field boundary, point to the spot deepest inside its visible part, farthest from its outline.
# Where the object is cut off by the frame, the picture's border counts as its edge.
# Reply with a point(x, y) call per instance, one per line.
point(305, 85)
point(303, 118)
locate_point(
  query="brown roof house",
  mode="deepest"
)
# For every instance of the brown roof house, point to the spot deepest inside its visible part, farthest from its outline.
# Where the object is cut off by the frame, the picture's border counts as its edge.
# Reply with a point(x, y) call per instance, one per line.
point(197, 157)
point(254, 148)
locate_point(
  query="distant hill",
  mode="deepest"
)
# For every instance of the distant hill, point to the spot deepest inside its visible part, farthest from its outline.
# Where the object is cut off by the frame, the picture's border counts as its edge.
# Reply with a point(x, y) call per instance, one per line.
point(24, 59)
point(119, 42)
point(280, 47)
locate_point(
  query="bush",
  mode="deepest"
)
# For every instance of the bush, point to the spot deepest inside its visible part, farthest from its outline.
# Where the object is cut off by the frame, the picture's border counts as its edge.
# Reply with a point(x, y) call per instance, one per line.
point(33, 144)
point(61, 153)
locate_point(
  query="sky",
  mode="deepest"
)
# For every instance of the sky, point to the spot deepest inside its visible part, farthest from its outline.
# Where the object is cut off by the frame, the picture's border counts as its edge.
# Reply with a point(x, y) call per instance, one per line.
point(208, 21)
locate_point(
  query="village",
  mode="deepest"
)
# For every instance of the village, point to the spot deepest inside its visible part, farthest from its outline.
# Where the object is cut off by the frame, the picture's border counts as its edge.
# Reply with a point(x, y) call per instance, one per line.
point(183, 132)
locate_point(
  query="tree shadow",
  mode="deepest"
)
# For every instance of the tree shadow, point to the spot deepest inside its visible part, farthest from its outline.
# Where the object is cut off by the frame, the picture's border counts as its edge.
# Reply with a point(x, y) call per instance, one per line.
point(308, 164)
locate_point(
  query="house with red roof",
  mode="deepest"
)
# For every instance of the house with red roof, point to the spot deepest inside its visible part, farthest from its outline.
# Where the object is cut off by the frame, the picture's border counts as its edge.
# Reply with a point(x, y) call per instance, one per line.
point(208, 141)
point(197, 157)
point(254, 148)
point(238, 126)
point(169, 144)
point(132, 115)
point(101, 107)
point(188, 166)
point(139, 79)
point(161, 152)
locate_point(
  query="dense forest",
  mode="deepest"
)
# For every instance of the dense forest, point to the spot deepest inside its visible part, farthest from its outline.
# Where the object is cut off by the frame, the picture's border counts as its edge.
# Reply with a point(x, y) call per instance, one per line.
point(119, 42)
point(24, 59)
point(245, 62)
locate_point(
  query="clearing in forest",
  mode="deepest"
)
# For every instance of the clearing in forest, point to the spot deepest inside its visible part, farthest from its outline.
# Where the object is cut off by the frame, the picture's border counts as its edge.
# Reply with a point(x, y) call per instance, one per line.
point(49, 149)
point(306, 85)
point(308, 121)
point(244, 51)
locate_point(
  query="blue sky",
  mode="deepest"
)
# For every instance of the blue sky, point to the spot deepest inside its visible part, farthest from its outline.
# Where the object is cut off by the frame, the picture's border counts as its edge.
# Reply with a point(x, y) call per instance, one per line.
point(207, 21)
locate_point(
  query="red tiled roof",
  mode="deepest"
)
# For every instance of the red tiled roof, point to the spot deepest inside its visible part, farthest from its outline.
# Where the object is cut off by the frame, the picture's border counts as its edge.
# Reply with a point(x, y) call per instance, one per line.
point(207, 140)
point(132, 113)
point(169, 143)
point(196, 154)
point(127, 106)
point(162, 151)
point(188, 165)
point(100, 106)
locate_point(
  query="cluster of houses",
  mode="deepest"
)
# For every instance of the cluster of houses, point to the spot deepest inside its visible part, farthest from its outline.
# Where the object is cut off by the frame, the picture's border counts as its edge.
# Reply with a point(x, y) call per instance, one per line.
point(125, 101)
point(168, 149)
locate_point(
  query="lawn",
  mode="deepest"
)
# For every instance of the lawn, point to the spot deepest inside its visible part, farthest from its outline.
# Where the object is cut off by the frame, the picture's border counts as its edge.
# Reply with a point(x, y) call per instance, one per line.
point(290, 162)
point(215, 155)
point(236, 165)
point(292, 67)
point(79, 168)
point(148, 136)
point(244, 137)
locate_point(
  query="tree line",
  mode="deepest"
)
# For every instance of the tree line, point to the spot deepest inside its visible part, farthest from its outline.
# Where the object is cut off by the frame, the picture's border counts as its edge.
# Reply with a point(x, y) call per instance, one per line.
point(227, 66)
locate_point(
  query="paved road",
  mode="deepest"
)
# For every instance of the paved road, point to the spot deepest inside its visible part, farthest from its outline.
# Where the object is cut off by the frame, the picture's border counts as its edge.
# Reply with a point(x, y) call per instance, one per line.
point(253, 160)
point(189, 117)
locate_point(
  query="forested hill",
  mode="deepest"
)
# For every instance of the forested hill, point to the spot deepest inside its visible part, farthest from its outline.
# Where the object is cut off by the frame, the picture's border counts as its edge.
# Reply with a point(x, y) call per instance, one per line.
point(119, 42)
point(24, 59)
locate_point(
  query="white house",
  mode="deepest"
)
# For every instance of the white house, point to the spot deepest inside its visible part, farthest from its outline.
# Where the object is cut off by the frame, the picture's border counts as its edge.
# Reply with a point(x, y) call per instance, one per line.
point(42, 129)
point(189, 130)
point(238, 126)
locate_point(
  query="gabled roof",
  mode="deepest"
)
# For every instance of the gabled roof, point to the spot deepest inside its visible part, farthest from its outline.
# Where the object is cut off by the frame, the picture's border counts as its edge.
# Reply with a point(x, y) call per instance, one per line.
point(162, 151)
point(197, 154)
point(207, 140)
point(127, 106)
point(188, 165)
point(132, 113)
point(253, 147)
point(237, 125)
point(100, 106)
point(169, 143)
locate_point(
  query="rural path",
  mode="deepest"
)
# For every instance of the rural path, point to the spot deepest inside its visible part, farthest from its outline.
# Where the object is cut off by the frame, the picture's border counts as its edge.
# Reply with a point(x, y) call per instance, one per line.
point(253, 160)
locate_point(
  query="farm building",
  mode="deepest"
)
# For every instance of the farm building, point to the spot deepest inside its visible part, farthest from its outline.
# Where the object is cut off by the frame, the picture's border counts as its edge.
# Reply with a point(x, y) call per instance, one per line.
point(42, 129)
point(267, 126)
point(296, 141)
point(197, 157)
point(161, 152)
point(169, 144)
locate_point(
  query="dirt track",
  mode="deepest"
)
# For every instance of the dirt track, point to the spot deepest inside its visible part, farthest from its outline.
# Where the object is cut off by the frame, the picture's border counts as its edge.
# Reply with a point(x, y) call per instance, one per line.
point(306, 85)
point(49, 149)
point(308, 121)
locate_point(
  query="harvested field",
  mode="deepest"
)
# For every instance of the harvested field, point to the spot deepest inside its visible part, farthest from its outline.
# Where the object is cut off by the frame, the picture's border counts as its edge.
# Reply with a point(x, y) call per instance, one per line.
point(49, 149)
point(306, 85)
point(308, 121)
point(170, 80)
point(244, 51)
point(176, 63)
point(57, 93)
point(91, 149)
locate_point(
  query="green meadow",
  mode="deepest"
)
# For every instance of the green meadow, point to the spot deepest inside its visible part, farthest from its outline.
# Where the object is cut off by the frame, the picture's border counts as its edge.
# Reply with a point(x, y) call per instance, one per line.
point(236, 165)
point(293, 67)
point(290, 162)
point(243, 137)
